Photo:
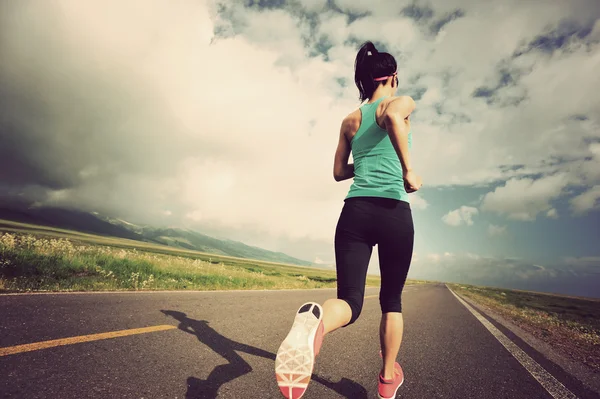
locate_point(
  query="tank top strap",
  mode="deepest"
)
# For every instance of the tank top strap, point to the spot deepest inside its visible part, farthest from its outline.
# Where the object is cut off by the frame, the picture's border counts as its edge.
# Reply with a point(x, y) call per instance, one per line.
point(368, 112)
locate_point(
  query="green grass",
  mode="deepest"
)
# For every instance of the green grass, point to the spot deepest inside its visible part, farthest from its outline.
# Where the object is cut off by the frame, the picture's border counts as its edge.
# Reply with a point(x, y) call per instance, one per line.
point(114, 242)
point(34, 258)
point(570, 324)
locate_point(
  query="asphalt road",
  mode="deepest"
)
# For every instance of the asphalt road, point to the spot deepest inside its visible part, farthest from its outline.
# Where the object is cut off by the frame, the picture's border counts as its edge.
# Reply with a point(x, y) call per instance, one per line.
point(224, 346)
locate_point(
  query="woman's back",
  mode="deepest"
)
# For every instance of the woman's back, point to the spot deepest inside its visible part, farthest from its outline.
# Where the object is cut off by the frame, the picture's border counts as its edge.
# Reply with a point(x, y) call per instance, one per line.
point(377, 170)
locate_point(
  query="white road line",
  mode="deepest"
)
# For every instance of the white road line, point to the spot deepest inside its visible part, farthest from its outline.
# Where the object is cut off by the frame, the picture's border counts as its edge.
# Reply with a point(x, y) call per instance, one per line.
point(547, 380)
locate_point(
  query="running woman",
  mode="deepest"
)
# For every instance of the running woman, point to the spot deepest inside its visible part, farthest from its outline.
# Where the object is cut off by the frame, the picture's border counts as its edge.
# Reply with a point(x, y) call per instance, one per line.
point(376, 211)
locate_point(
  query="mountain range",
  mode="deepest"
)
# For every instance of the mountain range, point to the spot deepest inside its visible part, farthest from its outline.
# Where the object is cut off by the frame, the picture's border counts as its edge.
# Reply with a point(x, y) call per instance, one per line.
point(95, 223)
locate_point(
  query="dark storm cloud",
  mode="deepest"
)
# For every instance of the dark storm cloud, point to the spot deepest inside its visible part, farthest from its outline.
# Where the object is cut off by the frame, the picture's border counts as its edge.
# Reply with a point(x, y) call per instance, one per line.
point(69, 121)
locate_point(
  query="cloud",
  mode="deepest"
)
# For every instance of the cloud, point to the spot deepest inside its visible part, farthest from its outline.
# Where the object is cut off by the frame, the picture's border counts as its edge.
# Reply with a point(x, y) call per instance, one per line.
point(495, 231)
point(132, 134)
point(586, 201)
point(524, 198)
point(463, 215)
point(552, 214)
point(585, 264)
point(570, 276)
point(321, 262)
point(418, 202)
point(314, 5)
point(227, 115)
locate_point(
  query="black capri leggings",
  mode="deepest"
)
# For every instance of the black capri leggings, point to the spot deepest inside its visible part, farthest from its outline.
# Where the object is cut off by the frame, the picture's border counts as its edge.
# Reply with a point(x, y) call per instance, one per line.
point(364, 222)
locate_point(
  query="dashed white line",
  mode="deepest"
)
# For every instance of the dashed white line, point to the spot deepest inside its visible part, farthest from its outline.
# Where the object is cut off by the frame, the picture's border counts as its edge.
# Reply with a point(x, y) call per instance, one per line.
point(547, 380)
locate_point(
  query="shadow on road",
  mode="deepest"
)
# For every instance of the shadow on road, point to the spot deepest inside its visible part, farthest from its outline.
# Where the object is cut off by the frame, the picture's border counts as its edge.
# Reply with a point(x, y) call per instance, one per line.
point(237, 366)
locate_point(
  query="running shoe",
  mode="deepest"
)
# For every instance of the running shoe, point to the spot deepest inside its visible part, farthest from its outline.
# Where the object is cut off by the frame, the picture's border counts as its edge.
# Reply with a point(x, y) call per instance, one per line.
point(387, 389)
point(296, 355)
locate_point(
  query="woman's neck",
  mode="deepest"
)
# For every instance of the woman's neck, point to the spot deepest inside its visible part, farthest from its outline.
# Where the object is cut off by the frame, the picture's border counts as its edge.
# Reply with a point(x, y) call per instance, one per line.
point(381, 91)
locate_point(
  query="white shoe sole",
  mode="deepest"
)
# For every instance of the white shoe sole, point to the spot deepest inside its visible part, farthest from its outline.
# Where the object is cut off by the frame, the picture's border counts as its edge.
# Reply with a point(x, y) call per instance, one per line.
point(296, 355)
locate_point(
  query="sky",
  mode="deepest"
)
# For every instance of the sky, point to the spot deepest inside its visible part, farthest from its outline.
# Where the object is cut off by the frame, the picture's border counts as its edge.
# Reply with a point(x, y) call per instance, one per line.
point(223, 117)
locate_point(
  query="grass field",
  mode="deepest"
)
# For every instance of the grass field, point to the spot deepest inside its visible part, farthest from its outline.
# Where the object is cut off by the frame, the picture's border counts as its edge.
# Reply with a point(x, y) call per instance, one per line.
point(36, 258)
point(571, 325)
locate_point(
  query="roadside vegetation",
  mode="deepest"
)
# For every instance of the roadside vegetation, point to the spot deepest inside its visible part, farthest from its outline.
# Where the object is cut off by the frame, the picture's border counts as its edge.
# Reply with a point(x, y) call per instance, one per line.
point(571, 325)
point(72, 262)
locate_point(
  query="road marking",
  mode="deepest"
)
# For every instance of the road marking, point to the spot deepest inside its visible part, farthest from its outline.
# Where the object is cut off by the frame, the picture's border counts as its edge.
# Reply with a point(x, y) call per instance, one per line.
point(11, 350)
point(547, 380)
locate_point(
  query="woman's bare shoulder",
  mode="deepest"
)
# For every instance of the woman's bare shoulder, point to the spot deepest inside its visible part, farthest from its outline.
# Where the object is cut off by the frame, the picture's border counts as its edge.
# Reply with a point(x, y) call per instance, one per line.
point(353, 119)
point(401, 104)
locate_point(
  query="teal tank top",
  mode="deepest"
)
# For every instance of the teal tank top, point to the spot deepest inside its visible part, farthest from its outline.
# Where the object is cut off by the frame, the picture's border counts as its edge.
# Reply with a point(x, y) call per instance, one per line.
point(377, 168)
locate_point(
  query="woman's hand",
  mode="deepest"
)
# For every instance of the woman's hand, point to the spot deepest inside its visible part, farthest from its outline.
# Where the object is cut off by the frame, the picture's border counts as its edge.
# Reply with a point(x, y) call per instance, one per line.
point(412, 182)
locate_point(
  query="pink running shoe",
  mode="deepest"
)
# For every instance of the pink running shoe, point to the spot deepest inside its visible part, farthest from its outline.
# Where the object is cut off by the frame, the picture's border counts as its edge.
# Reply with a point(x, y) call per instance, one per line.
point(296, 355)
point(387, 389)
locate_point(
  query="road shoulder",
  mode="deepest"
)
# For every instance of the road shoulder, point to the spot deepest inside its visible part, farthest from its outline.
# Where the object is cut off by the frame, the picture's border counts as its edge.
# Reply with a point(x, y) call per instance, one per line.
point(579, 371)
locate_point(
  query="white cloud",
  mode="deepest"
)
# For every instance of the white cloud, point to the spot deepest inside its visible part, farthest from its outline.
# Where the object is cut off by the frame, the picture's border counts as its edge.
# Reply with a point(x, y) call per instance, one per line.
point(463, 215)
point(586, 201)
point(240, 132)
point(314, 5)
point(418, 202)
point(575, 276)
point(584, 263)
point(495, 231)
point(319, 261)
point(434, 257)
point(523, 199)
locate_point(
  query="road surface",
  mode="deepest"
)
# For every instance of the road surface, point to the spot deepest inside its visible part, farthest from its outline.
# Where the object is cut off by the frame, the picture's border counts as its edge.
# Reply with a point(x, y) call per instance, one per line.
point(223, 344)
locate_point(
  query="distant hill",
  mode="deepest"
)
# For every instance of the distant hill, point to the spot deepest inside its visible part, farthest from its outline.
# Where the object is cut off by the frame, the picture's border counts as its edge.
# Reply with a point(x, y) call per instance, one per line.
point(189, 239)
point(95, 223)
point(65, 219)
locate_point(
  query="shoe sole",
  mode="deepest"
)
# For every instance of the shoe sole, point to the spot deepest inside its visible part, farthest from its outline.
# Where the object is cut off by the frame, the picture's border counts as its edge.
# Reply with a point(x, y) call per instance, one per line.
point(296, 355)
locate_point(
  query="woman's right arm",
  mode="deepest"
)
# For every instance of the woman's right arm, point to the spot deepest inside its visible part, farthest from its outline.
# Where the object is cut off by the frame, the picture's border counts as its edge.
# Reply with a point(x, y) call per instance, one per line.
point(397, 124)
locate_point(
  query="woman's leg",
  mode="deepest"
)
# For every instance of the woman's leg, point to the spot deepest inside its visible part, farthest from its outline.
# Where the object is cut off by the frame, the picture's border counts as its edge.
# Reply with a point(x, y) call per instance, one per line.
point(336, 313)
point(395, 253)
point(390, 337)
point(353, 248)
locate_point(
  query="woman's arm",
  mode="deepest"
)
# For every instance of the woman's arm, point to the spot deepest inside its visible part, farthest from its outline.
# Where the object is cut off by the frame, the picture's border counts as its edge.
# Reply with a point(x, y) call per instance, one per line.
point(342, 170)
point(397, 124)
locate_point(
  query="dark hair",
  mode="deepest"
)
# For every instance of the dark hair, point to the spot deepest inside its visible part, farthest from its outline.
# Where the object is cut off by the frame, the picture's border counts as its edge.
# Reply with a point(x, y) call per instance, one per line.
point(371, 64)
